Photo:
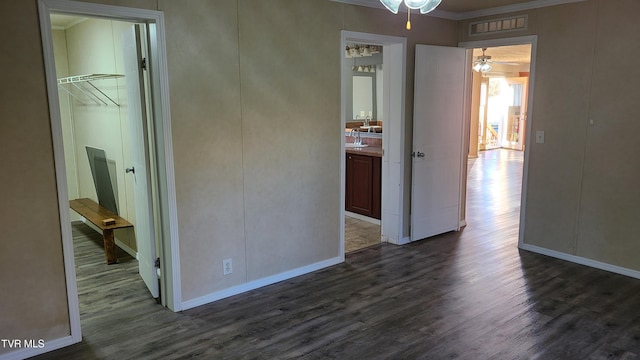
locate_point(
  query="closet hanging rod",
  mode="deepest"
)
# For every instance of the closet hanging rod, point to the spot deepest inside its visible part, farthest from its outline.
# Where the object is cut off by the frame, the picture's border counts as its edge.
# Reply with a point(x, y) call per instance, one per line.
point(88, 78)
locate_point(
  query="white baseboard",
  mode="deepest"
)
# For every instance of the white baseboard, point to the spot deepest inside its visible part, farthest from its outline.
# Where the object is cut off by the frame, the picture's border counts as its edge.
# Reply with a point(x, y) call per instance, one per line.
point(50, 345)
point(582, 261)
point(403, 241)
point(127, 249)
point(252, 285)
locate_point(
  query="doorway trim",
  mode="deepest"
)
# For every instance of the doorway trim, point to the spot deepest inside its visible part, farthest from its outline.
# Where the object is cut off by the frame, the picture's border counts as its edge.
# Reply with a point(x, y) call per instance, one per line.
point(393, 142)
point(169, 238)
point(521, 40)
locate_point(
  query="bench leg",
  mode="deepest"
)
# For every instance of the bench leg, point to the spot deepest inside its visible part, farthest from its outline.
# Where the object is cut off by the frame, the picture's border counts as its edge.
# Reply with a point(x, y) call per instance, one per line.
point(109, 246)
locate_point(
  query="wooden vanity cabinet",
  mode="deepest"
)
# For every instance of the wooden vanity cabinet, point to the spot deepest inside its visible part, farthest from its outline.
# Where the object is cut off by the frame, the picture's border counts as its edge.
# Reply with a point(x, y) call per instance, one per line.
point(363, 180)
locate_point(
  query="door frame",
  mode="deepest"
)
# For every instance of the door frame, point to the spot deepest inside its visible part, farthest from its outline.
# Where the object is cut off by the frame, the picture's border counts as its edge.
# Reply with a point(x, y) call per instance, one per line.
point(393, 141)
point(170, 271)
point(521, 40)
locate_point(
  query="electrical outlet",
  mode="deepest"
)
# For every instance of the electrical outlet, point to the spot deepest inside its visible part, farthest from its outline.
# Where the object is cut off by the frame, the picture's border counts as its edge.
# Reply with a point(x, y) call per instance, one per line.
point(227, 267)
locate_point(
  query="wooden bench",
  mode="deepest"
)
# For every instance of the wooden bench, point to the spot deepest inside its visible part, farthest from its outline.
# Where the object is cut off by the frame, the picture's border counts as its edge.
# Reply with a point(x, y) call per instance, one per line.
point(104, 219)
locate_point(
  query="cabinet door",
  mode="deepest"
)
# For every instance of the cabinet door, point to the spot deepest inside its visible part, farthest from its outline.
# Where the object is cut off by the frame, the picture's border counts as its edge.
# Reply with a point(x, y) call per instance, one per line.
point(363, 185)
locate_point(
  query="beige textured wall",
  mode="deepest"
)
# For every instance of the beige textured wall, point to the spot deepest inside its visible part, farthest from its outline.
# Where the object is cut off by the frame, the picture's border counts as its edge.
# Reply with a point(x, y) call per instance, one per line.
point(290, 66)
point(204, 80)
point(33, 300)
point(560, 106)
point(257, 130)
point(610, 203)
point(582, 197)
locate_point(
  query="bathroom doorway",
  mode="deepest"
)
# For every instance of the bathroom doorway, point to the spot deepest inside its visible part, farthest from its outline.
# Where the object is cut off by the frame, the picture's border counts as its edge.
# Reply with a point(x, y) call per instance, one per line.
point(363, 144)
point(371, 135)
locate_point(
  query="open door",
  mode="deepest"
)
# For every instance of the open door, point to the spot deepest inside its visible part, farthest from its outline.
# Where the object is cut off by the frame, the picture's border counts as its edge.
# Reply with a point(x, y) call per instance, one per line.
point(438, 121)
point(144, 227)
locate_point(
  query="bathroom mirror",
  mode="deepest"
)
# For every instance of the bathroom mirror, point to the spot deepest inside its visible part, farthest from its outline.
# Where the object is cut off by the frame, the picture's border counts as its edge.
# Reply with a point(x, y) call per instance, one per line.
point(364, 95)
point(363, 81)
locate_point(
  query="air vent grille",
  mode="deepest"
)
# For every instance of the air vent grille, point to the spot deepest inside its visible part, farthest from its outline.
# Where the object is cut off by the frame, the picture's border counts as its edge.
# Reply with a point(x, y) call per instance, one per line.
point(493, 26)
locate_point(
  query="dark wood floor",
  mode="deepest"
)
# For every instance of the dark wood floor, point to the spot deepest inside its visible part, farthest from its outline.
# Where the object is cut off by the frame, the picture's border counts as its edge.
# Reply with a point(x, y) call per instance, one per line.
point(467, 295)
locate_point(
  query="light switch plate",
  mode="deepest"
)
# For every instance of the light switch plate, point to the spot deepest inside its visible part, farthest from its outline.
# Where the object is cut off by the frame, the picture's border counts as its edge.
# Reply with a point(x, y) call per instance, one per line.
point(539, 137)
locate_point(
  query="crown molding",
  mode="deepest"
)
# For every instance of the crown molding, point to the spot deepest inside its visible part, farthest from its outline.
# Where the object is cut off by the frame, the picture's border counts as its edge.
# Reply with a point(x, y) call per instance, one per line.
point(529, 5)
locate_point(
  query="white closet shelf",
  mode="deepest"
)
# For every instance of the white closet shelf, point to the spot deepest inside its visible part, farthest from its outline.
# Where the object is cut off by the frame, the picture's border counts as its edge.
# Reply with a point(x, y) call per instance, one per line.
point(80, 82)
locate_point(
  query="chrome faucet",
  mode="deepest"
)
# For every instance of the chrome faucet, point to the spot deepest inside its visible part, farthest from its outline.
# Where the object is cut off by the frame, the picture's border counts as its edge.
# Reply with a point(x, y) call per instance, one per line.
point(367, 120)
point(357, 140)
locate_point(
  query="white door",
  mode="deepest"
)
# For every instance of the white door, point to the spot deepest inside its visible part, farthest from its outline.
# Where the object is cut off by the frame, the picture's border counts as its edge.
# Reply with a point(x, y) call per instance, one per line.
point(437, 140)
point(144, 228)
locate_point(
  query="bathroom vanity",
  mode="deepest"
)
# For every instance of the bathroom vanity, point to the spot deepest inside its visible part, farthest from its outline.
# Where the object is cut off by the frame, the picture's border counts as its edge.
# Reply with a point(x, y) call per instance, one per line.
point(363, 181)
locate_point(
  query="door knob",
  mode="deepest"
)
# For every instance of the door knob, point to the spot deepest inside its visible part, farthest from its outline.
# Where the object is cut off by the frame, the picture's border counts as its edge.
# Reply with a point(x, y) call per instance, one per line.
point(418, 154)
point(130, 170)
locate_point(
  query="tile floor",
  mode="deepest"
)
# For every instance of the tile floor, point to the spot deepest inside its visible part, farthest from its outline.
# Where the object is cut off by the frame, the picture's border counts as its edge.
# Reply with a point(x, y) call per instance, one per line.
point(359, 234)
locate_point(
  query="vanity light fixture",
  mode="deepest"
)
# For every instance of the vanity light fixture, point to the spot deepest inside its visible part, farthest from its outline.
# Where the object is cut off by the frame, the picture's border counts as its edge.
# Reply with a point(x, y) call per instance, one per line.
point(425, 6)
point(361, 50)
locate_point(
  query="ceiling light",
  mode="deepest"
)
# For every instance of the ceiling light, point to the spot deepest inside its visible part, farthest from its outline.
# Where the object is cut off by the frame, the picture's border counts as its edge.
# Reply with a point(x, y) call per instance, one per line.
point(425, 6)
point(429, 6)
point(482, 66)
point(482, 63)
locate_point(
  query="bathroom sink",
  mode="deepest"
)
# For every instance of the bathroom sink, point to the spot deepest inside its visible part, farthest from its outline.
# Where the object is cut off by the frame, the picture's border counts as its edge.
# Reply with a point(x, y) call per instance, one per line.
point(352, 145)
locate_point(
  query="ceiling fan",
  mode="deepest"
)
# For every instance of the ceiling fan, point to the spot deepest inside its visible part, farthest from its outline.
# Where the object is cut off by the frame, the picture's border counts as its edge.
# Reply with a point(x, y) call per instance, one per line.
point(483, 63)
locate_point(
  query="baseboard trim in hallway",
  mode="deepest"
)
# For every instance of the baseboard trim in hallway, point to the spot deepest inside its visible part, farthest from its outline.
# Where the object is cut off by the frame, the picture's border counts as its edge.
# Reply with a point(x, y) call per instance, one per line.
point(582, 261)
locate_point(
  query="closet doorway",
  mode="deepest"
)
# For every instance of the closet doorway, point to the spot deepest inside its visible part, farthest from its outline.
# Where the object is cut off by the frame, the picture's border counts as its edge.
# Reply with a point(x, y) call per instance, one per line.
point(105, 119)
point(93, 54)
